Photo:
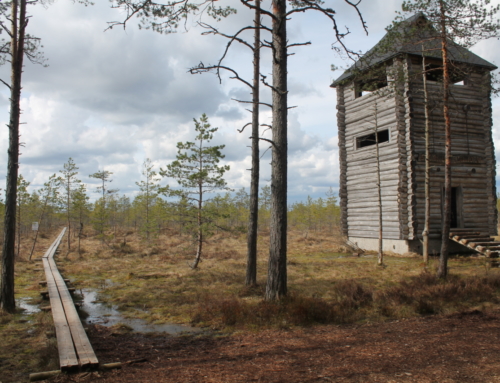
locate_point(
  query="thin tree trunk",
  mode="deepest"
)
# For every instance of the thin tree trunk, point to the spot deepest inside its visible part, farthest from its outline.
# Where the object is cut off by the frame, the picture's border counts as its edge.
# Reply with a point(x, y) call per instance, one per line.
point(18, 25)
point(68, 216)
point(147, 207)
point(425, 233)
point(251, 275)
point(200, 232)
point(380, 257)
point(276, 287)
point(79, 238)
point(443, 258)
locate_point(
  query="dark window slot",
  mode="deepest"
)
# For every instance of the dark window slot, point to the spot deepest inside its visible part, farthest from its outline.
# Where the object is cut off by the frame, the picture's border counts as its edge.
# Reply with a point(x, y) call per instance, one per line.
point(369, 139)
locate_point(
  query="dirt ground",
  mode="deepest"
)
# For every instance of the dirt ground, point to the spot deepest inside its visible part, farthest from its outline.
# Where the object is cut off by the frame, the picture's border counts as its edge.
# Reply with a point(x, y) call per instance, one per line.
point(462, 347)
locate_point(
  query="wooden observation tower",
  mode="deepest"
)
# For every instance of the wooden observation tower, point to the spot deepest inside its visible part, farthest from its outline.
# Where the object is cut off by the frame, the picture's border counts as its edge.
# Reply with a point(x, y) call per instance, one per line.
point(381, 131)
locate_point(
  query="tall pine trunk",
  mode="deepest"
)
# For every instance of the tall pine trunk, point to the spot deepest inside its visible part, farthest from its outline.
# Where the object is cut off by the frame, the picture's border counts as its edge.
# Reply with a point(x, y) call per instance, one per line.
point(443, 258)
point(276, 287)
point(18, 26)
point(251, 274)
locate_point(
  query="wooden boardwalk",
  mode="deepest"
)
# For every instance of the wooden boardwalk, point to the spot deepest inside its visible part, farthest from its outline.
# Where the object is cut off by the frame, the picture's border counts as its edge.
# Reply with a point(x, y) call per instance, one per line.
point(75, 350)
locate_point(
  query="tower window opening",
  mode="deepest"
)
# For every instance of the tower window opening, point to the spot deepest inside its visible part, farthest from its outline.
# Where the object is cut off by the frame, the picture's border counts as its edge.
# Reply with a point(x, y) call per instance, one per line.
point(369, 139)
point(435, 73)
point(370, 85)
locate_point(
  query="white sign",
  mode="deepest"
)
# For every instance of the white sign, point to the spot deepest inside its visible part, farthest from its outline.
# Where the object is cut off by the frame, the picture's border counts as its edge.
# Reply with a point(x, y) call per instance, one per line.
point(34, 226)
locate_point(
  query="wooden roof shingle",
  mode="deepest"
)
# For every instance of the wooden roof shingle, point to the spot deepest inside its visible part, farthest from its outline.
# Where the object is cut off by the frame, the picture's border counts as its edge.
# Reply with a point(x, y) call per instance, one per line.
point(408, 38)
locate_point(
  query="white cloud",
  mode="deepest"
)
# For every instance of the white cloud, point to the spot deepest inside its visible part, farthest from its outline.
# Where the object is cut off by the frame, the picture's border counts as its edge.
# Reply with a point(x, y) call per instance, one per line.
point(111, 99)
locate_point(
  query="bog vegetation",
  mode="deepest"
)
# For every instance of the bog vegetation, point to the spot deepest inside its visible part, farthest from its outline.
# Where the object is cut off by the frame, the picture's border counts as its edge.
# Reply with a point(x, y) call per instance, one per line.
point(149, 213)
point(143, 270)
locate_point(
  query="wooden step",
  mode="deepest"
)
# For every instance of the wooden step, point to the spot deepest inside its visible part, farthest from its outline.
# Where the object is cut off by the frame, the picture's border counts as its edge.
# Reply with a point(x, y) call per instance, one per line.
point(465, 232)
point(475, 244)
point(491, 254)
point(491, 248)
point(467, 240)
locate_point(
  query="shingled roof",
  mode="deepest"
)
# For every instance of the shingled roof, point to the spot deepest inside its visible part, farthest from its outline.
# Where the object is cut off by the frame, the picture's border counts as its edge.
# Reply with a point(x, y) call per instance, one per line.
point(407, 38)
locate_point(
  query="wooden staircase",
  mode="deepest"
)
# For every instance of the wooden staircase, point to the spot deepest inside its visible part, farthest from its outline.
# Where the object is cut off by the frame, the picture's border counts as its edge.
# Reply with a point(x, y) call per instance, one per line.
point(482, 243)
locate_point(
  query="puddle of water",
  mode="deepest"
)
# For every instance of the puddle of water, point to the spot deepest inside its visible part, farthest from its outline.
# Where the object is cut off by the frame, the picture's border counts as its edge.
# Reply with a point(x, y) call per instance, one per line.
point(27, 307)
point(105, 315)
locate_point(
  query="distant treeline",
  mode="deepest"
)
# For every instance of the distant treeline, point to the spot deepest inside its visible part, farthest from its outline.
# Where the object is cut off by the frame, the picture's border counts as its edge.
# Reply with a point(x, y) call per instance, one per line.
point(151, 214)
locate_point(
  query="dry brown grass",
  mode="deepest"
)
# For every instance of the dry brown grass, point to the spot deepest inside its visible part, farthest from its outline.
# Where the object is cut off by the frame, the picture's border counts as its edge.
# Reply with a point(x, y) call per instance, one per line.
point(153, 281)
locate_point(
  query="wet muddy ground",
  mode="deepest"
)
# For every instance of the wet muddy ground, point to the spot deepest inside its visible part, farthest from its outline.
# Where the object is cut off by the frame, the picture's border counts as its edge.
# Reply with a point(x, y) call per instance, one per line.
point(96, 312)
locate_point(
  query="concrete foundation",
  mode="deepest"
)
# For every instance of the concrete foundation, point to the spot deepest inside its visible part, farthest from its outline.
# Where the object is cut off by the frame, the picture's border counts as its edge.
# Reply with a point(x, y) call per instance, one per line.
point(402, 246)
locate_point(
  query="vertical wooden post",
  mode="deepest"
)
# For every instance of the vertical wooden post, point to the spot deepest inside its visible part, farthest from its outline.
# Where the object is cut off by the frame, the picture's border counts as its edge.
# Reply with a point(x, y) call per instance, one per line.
point(425, 233)
point(380, 257)
point(443, 258)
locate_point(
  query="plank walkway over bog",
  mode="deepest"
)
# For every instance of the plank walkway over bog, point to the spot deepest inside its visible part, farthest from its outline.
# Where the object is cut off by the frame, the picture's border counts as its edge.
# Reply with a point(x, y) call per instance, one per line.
point(474, 240)
point(75, 350)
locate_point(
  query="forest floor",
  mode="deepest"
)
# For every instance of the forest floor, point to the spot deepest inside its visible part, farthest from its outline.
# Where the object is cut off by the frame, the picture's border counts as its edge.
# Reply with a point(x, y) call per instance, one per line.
point(462, 347)
point(346, 320)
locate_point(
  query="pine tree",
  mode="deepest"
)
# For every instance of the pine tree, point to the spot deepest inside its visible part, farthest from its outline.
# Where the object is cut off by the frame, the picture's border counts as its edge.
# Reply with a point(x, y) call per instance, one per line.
point(149, 192)
point(69, 182)
point(101, 213)
point(197, 171)
point(80, 207)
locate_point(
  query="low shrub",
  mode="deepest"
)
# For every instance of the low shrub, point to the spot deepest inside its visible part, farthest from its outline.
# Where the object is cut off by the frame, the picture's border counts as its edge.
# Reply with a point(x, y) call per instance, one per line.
point(351, 301)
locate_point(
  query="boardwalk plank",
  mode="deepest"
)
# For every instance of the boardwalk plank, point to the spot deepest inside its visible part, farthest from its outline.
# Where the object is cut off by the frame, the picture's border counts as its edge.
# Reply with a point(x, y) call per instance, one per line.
point(73, 344)
point(81, 341)
point(67, 355)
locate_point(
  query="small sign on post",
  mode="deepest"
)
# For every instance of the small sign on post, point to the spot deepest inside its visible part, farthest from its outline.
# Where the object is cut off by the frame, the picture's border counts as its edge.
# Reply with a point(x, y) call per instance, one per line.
point(34, 226)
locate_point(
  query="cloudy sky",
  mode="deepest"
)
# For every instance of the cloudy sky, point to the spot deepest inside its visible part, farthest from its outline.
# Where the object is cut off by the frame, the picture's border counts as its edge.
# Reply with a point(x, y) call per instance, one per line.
point(110, 99)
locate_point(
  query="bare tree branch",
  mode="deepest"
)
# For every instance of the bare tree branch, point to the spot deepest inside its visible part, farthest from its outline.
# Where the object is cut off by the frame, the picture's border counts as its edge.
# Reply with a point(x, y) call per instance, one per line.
point(298, 44)
point(263, 80)
point(270, 141)
point(202, 69)
point(267, 13)
point(3, 82)
point(251, 102)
